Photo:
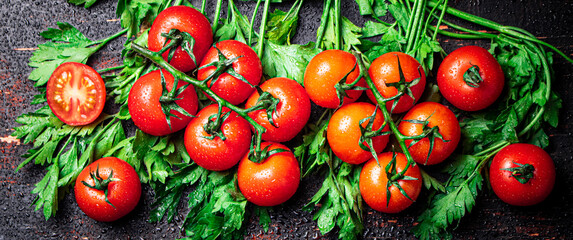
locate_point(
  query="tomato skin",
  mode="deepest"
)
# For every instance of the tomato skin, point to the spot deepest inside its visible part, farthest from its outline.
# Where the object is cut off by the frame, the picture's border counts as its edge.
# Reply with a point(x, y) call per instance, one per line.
point(324, 71)
point(216, 154)
point(384, 69)
point(511, 191)
point(292, 112)
point(271, 182)
point(451, 82)
point(437, 115)
point(343, 132)
point(184, 19)
point(249, 66)
point(76, 93)
point(373, 180)
point(123, 193)
point(145, 109)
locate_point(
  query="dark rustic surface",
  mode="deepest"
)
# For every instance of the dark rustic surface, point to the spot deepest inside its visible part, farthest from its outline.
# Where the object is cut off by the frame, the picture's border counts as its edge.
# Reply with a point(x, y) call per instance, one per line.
point(22, 20)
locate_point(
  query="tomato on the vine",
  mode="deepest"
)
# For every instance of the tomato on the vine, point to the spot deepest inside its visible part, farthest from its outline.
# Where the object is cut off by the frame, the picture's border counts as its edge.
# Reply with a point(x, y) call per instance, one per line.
point(522, 174)
point(107, 189)
point(344, 132)
point(224, 146)
point(271, 182)
point(327, 69)
point(291, 113)
point(76, 93)
point(385, 73)
point(470, 78)
point(438, 124)
point(229, 87)
point(374, 186)
point(189, 21)
point(146, 110)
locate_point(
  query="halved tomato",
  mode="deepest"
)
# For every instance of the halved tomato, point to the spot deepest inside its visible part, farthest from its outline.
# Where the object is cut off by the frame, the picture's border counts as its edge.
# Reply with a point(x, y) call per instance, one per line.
point(76, 93)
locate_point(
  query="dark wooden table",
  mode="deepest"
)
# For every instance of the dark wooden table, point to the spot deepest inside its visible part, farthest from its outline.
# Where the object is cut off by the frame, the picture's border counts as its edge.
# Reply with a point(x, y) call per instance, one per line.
point(22, 20)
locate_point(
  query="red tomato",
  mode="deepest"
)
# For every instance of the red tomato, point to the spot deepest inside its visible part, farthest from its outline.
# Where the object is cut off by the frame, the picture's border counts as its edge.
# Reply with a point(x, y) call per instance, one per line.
point(123, 192)
point(248, 65)
point(385, 70)
point(76, 93)
point(343, 132)
point(185, 19)
point(324, 71)
point(504, 174)
point(292, 111)
point(145, 108)
point(271, 182)
point(217, 154)
point(461, 94)
point(373, 184)
point(438, 116)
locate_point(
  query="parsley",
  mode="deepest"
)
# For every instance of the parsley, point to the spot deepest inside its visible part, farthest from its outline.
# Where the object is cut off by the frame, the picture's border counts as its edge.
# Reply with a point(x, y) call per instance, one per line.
point(87, 3)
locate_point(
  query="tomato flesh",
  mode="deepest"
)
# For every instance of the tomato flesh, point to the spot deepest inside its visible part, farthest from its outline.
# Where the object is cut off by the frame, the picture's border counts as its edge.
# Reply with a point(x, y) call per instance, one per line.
point(76, 93)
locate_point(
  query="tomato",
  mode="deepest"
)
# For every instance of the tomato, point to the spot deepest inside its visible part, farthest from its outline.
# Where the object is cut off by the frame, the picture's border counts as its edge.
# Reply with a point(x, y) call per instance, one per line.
point(217, 154)
point(344, 134)
point(374, 179)
point(462, 94)
point(439, 116)
point(248, 65)
point(384, 70)
point(185, 19)
point(528, 162)
point(123, 191)
point(76, 93)
point(324, 71)
point(292, 111)
point(145, 108)
point(271, 182)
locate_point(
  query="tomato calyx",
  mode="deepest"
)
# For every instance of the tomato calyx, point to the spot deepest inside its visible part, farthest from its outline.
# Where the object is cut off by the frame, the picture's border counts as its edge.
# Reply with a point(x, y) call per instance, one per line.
point(472, 77)
point(100, 183)
point(213, 125)
point(394, 177)
point(168, 98)
point(432, 133)
point(267, 102)
point(176, 38)
point(367, 134)
point(223, 65)
point(258, 155)
point(403, 86)
point(522, 173)
point(341, 87)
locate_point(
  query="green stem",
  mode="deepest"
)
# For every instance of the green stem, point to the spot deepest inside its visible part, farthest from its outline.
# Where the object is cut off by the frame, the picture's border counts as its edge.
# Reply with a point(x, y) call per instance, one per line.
point(440, 19)
point(217, 15)
point(323, 22)
point(110, 69)
point(252, 30)
point(261, 43)
point(103, 42)
point(337, 25)
point(203, 6)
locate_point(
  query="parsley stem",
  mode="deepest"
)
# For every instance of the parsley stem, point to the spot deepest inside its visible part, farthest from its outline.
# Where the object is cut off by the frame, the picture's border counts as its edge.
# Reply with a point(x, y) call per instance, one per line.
point(110, 69)
point(260, 46)
point(251, 29)
point(103, 42)
point(337, 25)
point(323, 20)
point(217, 15)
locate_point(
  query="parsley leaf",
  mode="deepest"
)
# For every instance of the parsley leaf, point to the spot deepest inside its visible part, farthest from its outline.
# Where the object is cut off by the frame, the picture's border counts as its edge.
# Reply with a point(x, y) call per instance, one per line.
point(287, 60)
point(87, 3)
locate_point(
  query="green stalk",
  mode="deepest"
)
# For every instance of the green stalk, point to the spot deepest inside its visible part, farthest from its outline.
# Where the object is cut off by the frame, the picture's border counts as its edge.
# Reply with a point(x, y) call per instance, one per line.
point(445, 4)
point(261, 43)
point(203, 6)
point(110, 69)
point(250, 38)
point(103, 42)
point(323, 21)
point(337, 25)
point(217, 15)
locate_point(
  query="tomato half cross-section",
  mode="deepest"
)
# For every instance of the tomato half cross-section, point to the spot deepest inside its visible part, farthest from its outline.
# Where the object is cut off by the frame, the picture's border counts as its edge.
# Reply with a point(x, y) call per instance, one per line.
point(76, 93)
point(107, 189)
point(271, 182)
point(189, 22)
point(522, 174)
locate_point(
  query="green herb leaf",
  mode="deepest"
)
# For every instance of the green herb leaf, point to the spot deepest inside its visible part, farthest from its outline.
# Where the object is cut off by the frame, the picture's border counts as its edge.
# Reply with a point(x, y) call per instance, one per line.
point(87, 3)
point(287, 60)
point(281, 26)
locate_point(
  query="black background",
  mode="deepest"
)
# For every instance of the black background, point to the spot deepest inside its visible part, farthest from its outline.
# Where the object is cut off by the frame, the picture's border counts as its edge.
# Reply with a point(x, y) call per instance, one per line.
point(23, 20)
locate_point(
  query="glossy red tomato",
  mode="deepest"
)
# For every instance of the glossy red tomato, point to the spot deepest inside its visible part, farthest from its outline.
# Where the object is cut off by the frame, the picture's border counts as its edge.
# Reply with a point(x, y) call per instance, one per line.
point(343, 132)
point(467, 96)
point(248, 65)
point(76, 93)
point(123, 191)
point(185, 19)
point(217, 154)
point(384, 70)
point(292, 111)
point(145, 108)
point(522, 161)
point(324, 71)
point(271, 182)
point(373, 184)
point(437, 115)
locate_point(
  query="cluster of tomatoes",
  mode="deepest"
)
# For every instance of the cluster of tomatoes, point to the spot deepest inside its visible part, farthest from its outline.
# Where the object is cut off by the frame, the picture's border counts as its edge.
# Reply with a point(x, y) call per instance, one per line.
point(217, 138)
